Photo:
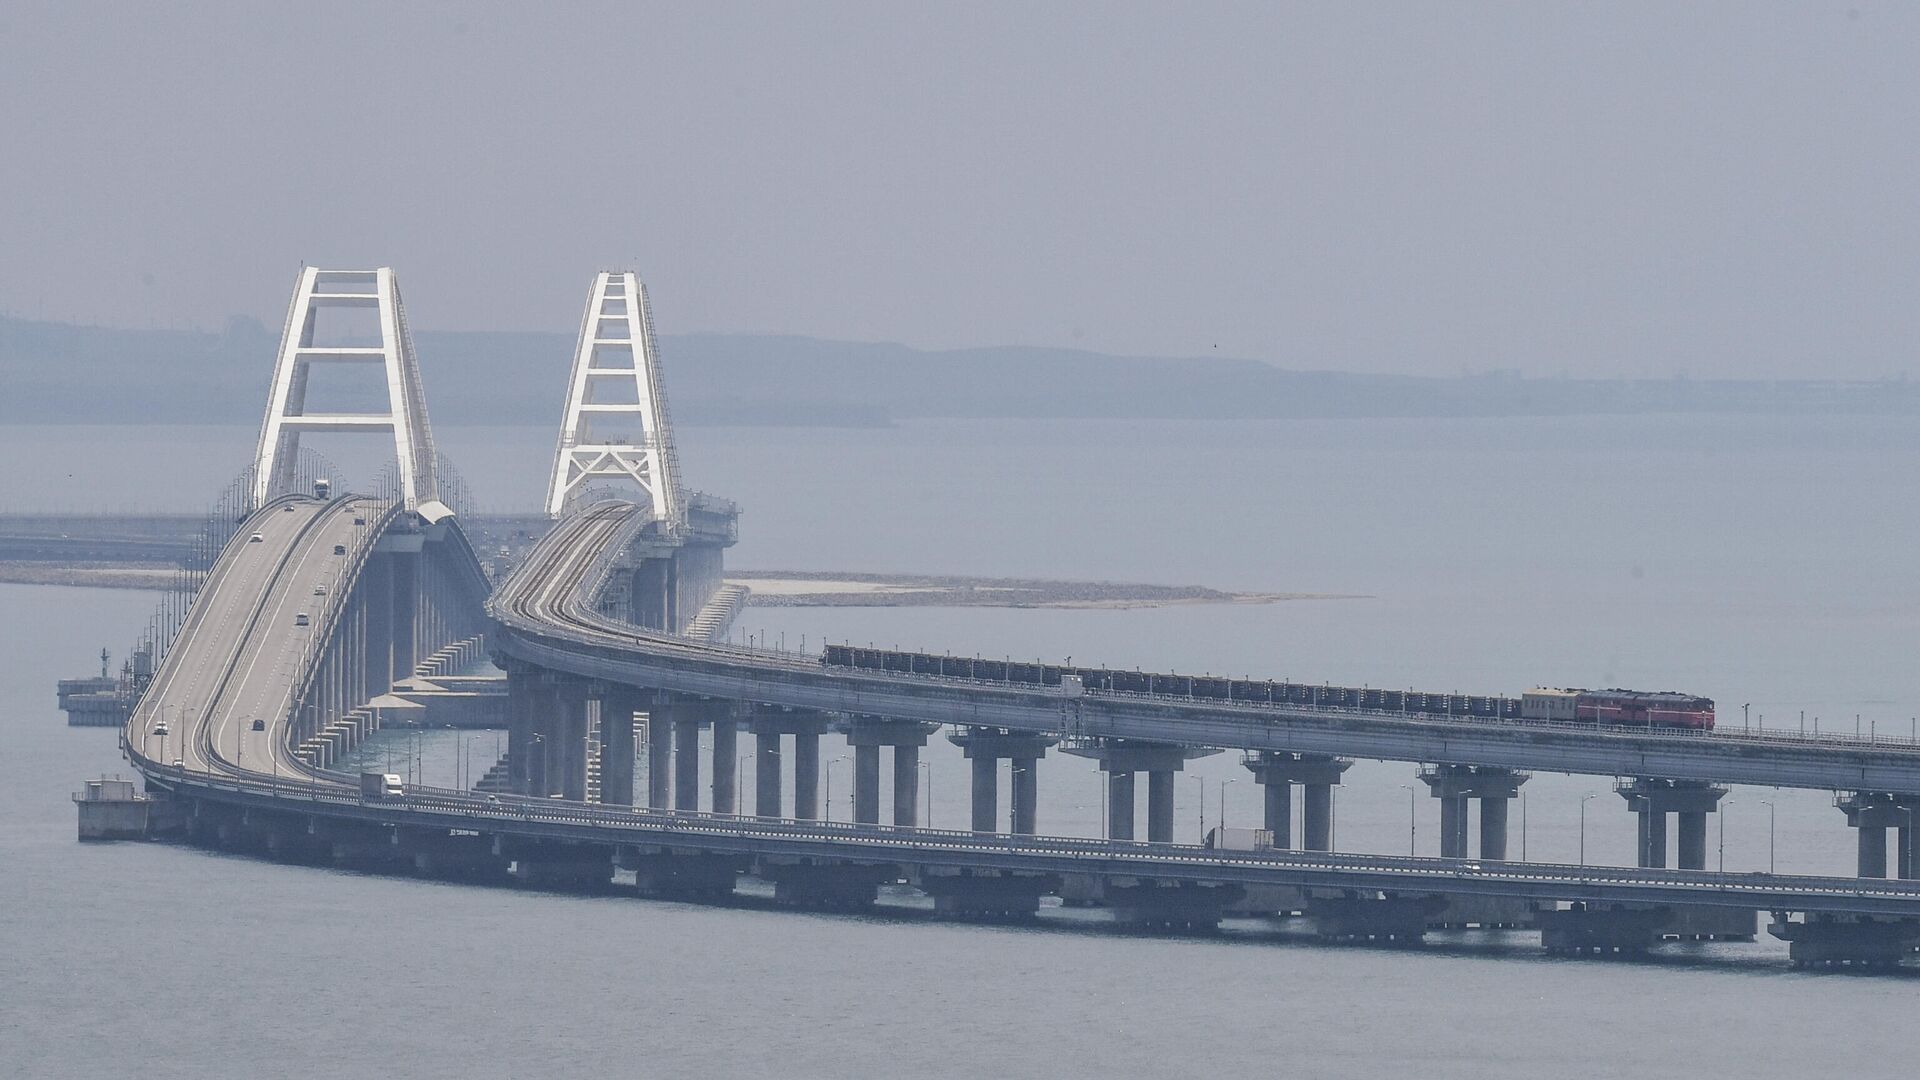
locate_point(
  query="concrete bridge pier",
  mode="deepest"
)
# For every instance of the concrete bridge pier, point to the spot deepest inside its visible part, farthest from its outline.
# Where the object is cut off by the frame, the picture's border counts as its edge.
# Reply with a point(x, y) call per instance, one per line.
point(1846, 941)
point(766, 773)
point(1599, 929)
point(867, 734)
point(687, 715)
point(686, 758)
point(552, 864)
point(985, 896)
point(567, 739)
point(726, 760)
point(1160, 806)
point(520, 682)
point(659, 753)
point(806, 776)
point(985, 747)
point(1170, 906)
point(1368, 917)
point(1124, 759)
point(985, 794)
point(825, 885)
point(1455, 786)
point(768, 724)
point(618, 707)
point(1276, 772)
point(1871, 814)
point(1690, 800)
point(1120, 811)
point(663, 871)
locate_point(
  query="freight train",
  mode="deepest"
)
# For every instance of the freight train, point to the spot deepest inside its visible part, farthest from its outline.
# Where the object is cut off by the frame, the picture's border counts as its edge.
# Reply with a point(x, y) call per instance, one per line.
point(1622, 708)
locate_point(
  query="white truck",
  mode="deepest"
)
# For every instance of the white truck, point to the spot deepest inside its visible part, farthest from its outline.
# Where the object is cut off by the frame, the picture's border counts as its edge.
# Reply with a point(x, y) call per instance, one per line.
point(1225, 839)
point(376, 786)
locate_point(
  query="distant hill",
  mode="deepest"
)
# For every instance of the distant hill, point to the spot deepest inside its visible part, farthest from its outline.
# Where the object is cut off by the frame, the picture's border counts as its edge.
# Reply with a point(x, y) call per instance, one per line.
point(59, 373)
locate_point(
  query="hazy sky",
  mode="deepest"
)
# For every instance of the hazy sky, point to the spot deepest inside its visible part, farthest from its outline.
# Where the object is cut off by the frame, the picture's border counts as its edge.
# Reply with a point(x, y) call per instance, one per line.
point(1591, 189)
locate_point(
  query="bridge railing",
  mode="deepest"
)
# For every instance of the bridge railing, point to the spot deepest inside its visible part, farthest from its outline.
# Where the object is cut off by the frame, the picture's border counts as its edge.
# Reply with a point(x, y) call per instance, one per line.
point(300, 685)
point(966, 689)
point(911, 844)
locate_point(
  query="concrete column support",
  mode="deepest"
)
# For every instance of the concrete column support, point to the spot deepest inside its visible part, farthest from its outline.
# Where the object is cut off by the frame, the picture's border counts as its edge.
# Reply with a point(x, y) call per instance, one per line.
point(1872, 813)
point(1122, 760)
point(1160, 806)
point(1317, 814)
point(768, 723)
point(985, 746)
point(766, 774)
point(726, 761)
point(1693, 839)
point(1277, 811)
point(1276, 772)
point(1026, 794)
point(617, 707)
point(1456, 786)
point(1453, 826)
point(521, 686)
point(866, 785)
point(806, 776)
point(986, 794)
point(867, 734)
point(659, 757)
point(686, 762)
point(1120, 810)
point(1873, 851)
point(1653, 800)
point(1653, 838)
point(906, 786)
point(1493, 828)
point(570, 700)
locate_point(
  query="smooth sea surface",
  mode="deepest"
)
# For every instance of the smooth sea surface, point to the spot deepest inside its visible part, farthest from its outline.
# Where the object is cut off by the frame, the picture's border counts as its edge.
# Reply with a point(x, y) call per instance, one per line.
point(1761, 561)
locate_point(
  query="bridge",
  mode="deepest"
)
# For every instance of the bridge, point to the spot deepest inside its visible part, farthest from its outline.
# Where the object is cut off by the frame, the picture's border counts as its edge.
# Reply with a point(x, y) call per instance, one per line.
point(323, 604)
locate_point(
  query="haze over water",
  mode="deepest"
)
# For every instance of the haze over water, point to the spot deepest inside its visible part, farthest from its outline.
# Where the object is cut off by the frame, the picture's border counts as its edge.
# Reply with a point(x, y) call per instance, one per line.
point(1755, 560)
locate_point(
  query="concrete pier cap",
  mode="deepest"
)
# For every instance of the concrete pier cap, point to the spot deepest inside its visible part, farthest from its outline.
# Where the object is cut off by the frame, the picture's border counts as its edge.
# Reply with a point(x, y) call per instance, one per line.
point(864, 730)
point(1128, 756)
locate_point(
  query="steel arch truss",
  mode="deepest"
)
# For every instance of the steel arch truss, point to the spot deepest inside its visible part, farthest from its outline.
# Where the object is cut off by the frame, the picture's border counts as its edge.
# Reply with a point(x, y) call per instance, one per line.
point(616, 425)
point(317, 293)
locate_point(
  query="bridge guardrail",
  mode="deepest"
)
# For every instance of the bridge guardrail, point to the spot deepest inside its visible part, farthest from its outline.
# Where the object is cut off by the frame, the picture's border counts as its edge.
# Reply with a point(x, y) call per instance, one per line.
point(903, 840)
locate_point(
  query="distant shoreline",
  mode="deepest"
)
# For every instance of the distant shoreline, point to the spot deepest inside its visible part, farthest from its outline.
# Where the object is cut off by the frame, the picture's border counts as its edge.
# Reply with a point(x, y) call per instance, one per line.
point(804, 588)
point(820, 588)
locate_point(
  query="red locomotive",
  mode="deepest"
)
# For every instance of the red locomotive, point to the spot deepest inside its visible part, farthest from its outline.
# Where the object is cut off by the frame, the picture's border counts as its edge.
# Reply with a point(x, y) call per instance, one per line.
point(1623, 708)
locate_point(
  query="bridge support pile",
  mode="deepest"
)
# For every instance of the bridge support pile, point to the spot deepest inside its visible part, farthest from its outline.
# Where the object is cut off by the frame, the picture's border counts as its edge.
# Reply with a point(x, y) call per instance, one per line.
point(1276, 772)
point(985, 748)
point(866, 735)
point(1871, 814)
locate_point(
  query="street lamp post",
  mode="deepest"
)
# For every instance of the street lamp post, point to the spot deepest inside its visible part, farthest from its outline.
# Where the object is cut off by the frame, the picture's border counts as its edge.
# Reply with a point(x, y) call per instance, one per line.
point(1221, 823)
point(1584, 799)
point(926, 771)
point(1202, 781)
point(1905, 851)
point(1412, 819)
point(542, 744)
point(829, 787)
point(1723, 832)
point(1523, 826)
point(1770, 834)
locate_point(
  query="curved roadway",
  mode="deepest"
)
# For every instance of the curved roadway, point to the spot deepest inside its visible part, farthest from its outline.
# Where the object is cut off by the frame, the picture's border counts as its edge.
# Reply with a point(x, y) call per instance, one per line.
point(241, 656)
point(546, 617)
point(241, 653)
